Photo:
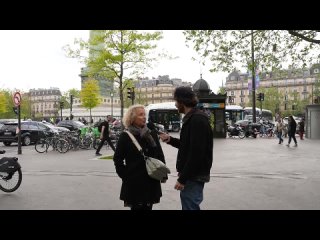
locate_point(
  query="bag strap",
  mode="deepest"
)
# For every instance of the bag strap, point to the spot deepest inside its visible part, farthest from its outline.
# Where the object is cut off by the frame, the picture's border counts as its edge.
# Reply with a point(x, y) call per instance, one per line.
point(135, 142)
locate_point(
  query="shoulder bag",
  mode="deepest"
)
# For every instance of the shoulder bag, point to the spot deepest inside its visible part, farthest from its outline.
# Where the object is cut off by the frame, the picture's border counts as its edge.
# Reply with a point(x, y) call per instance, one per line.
point(156, 169)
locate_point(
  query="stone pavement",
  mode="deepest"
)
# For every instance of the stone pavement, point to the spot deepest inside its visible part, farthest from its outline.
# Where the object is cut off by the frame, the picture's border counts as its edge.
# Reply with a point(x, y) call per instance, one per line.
point(246, 174)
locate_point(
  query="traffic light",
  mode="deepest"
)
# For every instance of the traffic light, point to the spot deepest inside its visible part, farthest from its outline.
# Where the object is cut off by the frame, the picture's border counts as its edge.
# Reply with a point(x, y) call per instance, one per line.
point(262, 96)
point(15, 109)
point(71, 99)
point(259, 97)
point(129, 92)
point(61, 104)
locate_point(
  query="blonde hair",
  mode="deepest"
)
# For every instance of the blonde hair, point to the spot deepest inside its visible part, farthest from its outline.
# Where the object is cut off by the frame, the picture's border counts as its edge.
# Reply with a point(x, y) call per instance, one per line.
point(130, 115)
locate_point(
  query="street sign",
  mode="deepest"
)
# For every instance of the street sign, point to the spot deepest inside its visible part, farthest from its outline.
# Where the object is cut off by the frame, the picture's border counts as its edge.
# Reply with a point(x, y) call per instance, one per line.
point(17, 99)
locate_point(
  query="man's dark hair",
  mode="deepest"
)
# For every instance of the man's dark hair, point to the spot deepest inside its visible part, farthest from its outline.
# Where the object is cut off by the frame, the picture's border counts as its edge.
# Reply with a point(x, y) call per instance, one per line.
point(186, 96)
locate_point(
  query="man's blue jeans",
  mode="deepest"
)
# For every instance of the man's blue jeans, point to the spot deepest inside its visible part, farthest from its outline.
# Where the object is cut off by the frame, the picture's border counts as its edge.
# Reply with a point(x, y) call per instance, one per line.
point(192, 195)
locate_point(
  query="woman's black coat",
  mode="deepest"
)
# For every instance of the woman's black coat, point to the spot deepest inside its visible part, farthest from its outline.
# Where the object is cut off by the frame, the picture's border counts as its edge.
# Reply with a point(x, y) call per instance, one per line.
point(137, 186)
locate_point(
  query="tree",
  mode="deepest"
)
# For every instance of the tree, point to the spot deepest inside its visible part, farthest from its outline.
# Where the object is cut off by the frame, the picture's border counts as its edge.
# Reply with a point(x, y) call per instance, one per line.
point(222, 90)
point(3, 103)
point(74, 92)
point(25, 106)
point(227, 49)
point(65, 98)
point(7, 104)
point(272, 99)
point(89, 95)
point(316, 89)
point(114, 52)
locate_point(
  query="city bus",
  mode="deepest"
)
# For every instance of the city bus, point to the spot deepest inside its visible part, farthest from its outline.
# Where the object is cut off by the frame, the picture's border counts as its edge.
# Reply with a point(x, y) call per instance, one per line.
point(266, 114)
point(166, 114)
point(233, 113)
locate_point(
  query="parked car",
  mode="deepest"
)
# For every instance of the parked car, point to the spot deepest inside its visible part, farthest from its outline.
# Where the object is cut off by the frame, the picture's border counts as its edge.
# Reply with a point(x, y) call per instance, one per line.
point(56, 129)
point(72, 125)
point(31, 131)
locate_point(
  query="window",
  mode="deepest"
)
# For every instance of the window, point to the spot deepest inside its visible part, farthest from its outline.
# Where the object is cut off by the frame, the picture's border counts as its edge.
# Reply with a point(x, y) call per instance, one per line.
point(232, 93)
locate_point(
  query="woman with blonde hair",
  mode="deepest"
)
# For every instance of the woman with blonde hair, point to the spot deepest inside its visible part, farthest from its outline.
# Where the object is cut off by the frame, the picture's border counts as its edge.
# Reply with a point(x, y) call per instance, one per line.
point(138, 190)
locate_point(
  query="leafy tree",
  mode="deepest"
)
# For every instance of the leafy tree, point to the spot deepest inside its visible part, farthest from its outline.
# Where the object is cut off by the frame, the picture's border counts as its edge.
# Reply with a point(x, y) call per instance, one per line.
point(273, 98)
point(65, 98)
point(227, 49)
point(3, 103)
point(316, 88)
point(89, 95)
point(74, 92)
point(25, 106)
point(296, 105)
point(113, 53)
point(222, 90)
point(7, 104)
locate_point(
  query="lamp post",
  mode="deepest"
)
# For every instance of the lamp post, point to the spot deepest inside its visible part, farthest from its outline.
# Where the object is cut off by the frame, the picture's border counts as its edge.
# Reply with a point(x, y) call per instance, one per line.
point(111, 94)
point(253, 81)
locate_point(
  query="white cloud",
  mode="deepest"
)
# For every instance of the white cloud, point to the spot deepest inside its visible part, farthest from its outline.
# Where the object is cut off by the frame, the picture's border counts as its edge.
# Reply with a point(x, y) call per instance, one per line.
point(34, 59)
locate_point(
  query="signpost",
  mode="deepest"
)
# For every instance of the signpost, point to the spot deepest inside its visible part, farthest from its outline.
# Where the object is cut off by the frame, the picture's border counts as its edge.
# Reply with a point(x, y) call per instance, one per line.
point(17, 102)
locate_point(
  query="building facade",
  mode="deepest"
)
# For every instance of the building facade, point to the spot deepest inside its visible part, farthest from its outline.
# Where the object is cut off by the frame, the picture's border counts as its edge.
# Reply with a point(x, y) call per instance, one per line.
point(300, 82)
point(157, 90)
point(44, 102)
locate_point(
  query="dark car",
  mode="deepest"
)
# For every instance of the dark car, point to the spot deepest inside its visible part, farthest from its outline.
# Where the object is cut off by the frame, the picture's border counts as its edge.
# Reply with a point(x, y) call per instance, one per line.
point(31, 131)
point(71, 124)
point(55, 128)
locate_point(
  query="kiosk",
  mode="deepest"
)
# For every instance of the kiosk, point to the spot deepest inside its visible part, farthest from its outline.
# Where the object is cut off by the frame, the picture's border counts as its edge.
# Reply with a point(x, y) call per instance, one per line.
point(213, 105)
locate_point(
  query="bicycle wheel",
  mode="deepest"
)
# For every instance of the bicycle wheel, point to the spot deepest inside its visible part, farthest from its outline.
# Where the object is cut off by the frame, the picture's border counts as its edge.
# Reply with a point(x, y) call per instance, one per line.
point(62, 146)
point(10, 182)
point(41, 146)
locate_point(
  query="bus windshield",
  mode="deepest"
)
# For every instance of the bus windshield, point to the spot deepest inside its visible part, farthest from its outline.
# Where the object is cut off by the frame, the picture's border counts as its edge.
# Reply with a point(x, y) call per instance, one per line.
point(233, 113)
point(166, 114)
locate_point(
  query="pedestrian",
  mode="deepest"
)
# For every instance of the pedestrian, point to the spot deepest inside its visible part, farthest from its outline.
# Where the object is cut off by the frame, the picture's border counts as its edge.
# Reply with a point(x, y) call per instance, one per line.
point(138, 190)
point(279, 128)
point(104, 136)
point(301, 128)
point(292, 126)
point(195, 149)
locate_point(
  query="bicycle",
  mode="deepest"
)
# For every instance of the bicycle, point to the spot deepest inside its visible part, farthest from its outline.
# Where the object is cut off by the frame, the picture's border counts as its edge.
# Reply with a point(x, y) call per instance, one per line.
point(10, 174)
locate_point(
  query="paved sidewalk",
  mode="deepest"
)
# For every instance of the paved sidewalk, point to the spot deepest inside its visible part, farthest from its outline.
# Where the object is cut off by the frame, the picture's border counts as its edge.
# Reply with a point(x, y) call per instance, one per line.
point(246, 174)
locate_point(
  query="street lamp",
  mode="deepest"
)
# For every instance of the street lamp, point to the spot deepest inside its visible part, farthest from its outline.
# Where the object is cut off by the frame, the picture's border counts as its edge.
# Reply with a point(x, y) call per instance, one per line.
point(111, 94)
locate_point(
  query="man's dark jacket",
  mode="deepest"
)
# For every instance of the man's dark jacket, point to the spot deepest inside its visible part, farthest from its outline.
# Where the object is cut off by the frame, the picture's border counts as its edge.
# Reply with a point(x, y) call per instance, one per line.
point(195, 146)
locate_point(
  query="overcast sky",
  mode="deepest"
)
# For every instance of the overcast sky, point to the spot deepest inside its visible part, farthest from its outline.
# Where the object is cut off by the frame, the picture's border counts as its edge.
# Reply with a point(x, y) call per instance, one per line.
point(35, 59)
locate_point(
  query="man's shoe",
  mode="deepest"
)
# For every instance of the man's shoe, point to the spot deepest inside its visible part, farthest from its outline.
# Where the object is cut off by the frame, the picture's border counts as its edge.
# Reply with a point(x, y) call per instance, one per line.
point(98, 154)
point(296, 145)
point(288, 145)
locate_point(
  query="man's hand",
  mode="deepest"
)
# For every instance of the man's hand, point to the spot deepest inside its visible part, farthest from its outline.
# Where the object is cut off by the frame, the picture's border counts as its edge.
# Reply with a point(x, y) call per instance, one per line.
point(178, 186)
point(164, 137)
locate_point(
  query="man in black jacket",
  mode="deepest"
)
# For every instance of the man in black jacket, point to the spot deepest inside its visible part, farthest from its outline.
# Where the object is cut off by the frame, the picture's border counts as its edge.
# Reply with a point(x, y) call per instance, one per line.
point(104, 135)
point(195, 154)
